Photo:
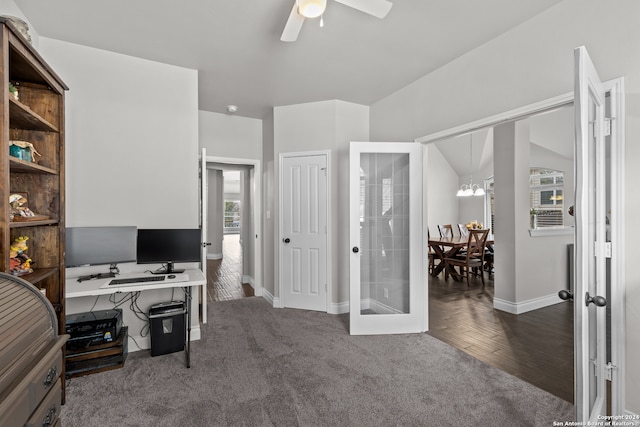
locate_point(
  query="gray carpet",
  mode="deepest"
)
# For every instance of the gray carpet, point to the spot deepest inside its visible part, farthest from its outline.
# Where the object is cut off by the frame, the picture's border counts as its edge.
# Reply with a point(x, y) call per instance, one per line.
point(259, 366)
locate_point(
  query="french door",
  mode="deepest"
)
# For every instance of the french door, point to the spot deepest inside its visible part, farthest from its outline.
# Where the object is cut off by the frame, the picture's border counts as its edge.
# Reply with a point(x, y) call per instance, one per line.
point(387, 272)
point(591, 241)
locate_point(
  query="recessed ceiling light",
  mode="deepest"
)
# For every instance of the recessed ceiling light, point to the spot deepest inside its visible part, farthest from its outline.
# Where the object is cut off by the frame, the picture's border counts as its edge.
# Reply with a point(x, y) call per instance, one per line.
point(232, 108)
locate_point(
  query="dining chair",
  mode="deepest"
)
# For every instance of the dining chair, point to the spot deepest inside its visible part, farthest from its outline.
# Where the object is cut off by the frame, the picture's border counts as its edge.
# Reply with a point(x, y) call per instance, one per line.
point(445, 230)
point(464, 231)
point(473, 260)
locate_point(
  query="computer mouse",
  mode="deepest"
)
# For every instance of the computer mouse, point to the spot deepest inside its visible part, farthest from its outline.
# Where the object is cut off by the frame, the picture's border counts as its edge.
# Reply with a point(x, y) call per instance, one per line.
point(171, 276)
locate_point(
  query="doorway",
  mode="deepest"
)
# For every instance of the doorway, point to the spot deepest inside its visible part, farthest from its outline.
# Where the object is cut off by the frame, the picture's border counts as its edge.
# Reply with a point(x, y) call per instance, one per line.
point(234, 227)
point(615, 104)
point(539, 178)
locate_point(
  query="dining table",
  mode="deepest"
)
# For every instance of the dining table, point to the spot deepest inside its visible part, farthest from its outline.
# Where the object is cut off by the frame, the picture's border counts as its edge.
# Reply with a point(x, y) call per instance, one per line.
point(449, 247)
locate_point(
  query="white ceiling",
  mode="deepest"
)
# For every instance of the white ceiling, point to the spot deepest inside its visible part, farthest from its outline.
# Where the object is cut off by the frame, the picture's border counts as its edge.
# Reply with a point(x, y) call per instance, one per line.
point(552, 131)
point(235, 44)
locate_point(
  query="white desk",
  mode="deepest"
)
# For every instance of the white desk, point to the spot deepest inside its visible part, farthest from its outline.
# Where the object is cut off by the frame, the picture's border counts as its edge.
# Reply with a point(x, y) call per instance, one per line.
point(95, 287)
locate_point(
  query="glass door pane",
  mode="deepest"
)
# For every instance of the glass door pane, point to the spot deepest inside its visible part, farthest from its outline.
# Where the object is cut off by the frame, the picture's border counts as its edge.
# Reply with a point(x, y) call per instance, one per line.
point(384, 230)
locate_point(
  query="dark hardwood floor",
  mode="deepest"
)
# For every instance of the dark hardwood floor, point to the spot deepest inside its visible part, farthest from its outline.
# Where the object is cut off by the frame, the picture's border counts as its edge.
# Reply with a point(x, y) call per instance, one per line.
point(536, 347)
point(224, 276)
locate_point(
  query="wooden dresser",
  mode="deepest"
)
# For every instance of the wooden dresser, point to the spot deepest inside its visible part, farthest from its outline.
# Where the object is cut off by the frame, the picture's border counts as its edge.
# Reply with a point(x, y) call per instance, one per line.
point(31, 356)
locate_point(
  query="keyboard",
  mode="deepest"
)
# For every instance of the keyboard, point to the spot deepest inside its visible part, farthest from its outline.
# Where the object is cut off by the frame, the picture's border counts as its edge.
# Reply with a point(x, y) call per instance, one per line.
point(131, 280)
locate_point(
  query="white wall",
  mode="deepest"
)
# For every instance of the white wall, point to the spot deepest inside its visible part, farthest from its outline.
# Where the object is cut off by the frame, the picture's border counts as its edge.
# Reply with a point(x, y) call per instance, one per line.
point(530, 63)
point(326, 125)
point(131, 152)
point(225, 135)
point(131, 134)
point(269, 221)
point(215, 213)
point(441, 184)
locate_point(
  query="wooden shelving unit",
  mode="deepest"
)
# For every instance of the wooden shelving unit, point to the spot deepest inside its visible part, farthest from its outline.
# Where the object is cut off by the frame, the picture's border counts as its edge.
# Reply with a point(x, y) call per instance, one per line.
point(36, 116)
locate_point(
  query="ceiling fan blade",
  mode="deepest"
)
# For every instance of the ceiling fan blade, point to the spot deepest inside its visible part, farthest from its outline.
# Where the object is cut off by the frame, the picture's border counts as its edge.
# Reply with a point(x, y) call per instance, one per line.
point(293, 25)
point(377, 8)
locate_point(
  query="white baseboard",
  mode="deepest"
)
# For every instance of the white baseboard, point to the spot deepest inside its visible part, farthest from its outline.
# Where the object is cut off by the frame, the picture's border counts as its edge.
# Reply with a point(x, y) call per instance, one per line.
point(377, 306)
point(510, 307)
point(214, 256)
point(382, 308)
point(269, 298)
point(525, 306)
point(338, 307)
point(137, 343)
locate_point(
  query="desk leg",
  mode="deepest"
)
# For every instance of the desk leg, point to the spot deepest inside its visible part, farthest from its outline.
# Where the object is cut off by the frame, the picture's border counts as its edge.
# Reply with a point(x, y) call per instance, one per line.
point(187, 345)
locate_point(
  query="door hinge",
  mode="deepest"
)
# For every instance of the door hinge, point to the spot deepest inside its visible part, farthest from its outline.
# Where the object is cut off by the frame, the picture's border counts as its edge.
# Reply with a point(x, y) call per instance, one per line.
point(610, 367)
point(607, 249)
point(606, 127)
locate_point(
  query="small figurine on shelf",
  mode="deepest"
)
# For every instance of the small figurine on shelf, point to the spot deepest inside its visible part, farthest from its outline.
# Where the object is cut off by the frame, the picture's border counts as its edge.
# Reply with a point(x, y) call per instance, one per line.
point(13, 90)
point(23, 150)
point(20, 263)
point(19, 207)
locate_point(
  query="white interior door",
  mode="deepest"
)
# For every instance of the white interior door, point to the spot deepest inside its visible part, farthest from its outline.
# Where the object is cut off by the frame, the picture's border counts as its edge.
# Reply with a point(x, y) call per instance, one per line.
point(387, 271)
point(591, 246)
point(303, 231)
point(204, 188)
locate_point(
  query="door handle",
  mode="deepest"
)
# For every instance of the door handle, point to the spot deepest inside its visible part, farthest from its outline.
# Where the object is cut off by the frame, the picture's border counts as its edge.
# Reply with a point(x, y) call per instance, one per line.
point(355, 250)
point(596, 300)
point(565, 295)
point(286, 240)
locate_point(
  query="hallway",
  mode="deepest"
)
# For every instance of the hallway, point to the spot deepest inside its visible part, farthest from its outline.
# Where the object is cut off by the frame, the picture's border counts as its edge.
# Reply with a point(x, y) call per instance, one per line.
point(224, 276)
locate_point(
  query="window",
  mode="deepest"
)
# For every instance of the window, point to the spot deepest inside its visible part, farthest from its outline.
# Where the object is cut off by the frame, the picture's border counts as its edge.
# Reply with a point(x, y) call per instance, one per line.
point(546, 187)
point(231, 216)
point(489, 201)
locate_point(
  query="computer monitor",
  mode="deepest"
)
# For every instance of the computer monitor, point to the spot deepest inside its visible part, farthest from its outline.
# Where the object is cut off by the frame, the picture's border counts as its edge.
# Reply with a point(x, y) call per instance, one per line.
point(87, 246)
point(168, 246)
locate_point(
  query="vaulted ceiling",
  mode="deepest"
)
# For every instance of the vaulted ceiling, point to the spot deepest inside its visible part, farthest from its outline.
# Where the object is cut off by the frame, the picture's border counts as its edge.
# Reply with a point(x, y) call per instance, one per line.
point(235, 44)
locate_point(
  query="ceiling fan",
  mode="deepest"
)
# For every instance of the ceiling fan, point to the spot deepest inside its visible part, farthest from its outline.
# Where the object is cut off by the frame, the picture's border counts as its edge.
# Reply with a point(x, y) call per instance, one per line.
point(303, 9)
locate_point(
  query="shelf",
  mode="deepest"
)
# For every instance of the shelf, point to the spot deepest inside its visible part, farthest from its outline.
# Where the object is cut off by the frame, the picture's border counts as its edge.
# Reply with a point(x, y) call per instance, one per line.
point(22, 117)
point(18, 165)
point(98, 358)
point(39, 274)
point(37, 116)
point(19, 224)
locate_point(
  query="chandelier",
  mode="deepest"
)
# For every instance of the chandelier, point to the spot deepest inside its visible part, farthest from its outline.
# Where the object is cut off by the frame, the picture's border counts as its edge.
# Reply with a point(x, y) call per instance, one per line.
point(470, 189)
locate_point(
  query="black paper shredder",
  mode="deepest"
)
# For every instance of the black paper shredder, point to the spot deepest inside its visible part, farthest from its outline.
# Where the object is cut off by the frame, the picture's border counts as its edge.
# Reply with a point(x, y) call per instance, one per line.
point(167, 327)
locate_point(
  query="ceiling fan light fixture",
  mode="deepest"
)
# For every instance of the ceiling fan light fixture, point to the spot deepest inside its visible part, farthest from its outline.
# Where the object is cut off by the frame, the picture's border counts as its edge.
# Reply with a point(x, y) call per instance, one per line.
point(311, 8)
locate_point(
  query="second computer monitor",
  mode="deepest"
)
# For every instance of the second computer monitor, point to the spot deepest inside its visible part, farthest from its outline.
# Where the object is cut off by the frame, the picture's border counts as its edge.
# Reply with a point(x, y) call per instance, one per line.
point(169, 246)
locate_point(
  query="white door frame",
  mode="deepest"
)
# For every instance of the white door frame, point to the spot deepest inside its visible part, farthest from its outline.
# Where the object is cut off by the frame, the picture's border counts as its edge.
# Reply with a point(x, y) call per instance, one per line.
point(615, 89)
point(204, 221)
point(395, 320)
point(278, 301)
point(256, 203)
